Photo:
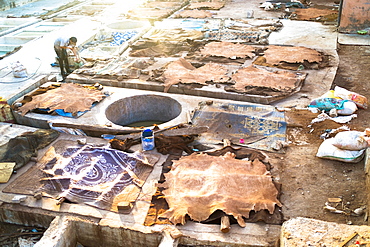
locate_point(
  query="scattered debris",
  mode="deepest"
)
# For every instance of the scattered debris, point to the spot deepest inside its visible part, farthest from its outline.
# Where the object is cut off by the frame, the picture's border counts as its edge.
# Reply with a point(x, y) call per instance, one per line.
point(341, 119)
point(6, 171)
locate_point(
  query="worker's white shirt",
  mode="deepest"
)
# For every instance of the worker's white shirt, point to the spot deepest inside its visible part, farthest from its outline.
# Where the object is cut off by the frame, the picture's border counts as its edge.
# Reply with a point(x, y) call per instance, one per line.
point(61, 41)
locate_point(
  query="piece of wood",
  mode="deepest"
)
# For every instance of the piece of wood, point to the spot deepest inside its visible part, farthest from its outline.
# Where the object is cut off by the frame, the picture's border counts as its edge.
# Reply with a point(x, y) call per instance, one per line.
point(348, 239)
point(225, 224)
point(334, 200)
point(60, 200)
point(226, 142)
point(168, 240)
point(124, 206)
point(95, 128)
point(241, 221)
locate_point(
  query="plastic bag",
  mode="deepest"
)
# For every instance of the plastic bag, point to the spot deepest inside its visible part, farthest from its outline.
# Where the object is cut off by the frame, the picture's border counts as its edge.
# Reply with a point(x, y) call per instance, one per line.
point(349, 108)
point(327, 104)
point(350, 140)
point(329, 94)
point(328, 151)
point(19, 71)
point(361, 101)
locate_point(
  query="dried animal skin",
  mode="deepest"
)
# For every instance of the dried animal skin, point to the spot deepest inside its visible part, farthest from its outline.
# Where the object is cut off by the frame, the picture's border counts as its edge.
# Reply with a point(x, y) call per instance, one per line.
point(199, 184)
point(147, 13)
point(277, 54)
point(70, 97)
point(158, 4)
point(194, 14)
point(181, 71)
point(177, 35)
point(313, 13)
point(256, 77)
point(228, 49)
point(206, 5)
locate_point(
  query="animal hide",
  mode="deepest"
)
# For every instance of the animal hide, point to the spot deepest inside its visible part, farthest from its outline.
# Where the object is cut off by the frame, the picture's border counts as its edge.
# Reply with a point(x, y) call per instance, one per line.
point(100, 177)
point(181, 71)
point(277, 54)
point(315, 14)
point(199, 184)
point(207, 5)
point(278, 81)
point(228, 49)
point(194, 14)
point(177, 35)
point(149, 13)
point(70, 97)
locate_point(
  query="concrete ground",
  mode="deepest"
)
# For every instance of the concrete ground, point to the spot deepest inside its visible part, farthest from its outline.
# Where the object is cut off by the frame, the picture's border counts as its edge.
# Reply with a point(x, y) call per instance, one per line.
point(109, 228)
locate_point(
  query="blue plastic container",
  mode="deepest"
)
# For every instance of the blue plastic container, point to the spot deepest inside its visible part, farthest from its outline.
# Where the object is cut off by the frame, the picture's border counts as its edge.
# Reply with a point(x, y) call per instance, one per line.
point(147, 140)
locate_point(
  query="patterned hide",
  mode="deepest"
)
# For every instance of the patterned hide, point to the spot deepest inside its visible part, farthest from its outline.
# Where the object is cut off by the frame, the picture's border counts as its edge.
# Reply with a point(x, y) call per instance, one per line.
point(100, 177)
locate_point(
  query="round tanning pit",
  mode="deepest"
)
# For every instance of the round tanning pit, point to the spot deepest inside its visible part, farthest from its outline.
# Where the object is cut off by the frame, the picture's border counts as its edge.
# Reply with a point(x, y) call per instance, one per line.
point(143, 110)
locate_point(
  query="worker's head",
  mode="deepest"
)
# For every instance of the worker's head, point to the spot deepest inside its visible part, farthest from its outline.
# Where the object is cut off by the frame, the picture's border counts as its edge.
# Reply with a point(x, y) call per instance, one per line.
point(73, 41)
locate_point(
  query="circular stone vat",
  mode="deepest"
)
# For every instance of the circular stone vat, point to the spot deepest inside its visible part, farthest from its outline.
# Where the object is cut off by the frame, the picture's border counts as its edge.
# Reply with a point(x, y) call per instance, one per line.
point(123, 25)
point(143, 110)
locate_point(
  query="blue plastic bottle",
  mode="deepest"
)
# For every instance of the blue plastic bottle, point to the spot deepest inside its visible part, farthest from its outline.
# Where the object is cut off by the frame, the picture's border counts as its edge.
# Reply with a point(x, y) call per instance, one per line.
point(147, 140)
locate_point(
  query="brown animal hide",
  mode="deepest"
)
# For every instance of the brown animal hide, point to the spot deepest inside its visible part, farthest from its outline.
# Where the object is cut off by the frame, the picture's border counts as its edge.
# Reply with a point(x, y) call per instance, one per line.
point(206, 5)
point(181, 71)
point(156, 50)
point(194, 14)
point(282, 81)
point(310, 14)
point(277, 54)
point(148, 13)
point(177, 35)
point(70, 97)
point(228, 49)
point(199, 184)
point(158, 4)
point(173, 144)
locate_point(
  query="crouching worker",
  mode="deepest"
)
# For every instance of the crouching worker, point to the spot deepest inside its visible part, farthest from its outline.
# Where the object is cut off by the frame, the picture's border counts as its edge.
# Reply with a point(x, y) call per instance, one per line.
point(61, 45)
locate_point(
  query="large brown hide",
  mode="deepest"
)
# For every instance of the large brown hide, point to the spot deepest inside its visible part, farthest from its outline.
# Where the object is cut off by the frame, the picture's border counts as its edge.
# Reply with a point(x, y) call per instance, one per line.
point(181, 71)
point(251, 76)
point(228, 49)
point(199, 184)
point(206, 5)
point(70, 97)
point(315, 14)
point(277, 54)
point(195, 13)
point(177, 35)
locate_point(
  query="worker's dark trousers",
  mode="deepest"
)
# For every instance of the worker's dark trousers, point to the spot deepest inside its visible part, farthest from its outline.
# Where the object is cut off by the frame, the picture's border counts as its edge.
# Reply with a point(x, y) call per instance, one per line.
point(63, 62)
